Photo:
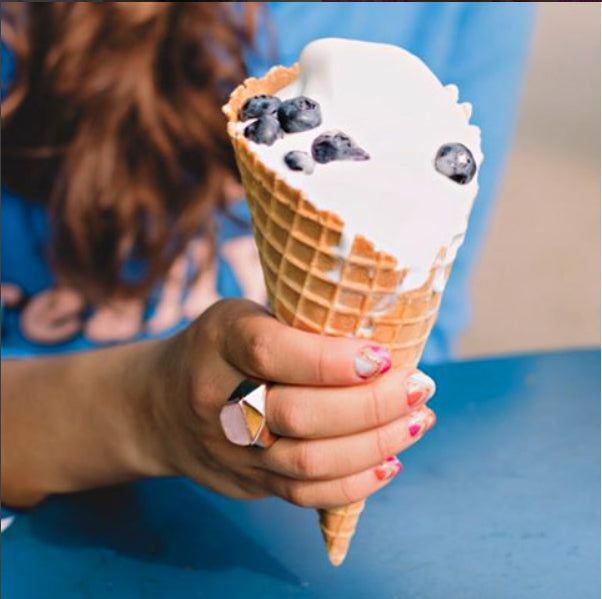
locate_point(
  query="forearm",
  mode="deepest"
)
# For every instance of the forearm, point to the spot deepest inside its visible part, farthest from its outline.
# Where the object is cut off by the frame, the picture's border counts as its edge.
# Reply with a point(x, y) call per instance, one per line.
point(78, 421)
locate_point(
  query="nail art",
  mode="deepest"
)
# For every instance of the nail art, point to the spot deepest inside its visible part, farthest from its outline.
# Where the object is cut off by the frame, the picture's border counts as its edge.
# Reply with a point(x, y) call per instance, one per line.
point(421, 421)
point(372, 360)
point(390, 468)
point(414, 429)
point(419, 388)
point(431, 420)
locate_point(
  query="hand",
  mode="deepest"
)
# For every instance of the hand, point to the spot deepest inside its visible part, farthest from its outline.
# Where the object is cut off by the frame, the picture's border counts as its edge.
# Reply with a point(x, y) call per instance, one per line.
point(338, 417)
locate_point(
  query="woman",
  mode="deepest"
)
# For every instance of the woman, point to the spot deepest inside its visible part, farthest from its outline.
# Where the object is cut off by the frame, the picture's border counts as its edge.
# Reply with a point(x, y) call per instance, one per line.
point(115, 160)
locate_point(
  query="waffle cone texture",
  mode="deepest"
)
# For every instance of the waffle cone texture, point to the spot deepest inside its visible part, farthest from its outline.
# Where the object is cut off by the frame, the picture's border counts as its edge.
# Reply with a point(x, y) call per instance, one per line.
point(315, 285)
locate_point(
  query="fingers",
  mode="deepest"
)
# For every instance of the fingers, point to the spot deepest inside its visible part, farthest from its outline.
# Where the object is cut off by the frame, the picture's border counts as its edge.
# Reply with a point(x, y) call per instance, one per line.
point(338, 492)
point(325, 459)
point(258, 345)
point(318, 412)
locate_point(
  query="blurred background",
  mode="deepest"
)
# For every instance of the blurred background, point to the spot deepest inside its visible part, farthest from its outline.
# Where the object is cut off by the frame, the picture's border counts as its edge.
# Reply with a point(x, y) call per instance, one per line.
point(538, 283)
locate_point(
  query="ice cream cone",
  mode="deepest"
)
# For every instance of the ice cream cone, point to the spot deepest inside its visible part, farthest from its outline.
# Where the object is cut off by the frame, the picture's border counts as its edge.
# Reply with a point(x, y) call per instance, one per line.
point(317, 285)
point(338, 526)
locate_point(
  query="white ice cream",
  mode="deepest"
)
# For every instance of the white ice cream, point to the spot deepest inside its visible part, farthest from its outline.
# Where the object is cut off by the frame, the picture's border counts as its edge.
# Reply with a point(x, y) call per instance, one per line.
point(395, 108)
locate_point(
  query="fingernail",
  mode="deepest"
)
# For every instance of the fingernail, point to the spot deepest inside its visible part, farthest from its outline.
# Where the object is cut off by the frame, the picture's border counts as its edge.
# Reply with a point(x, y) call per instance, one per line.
point(388, 469)
point(421, 421)
point(372, 360)
point(419, 388)
point(431, 420)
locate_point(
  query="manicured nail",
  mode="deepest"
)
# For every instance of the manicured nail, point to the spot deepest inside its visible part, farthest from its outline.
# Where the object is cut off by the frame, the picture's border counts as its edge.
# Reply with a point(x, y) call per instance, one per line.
point(372, 360)
point(420, 422)
point(431, 420)
point(419, 388)
point(388, 469)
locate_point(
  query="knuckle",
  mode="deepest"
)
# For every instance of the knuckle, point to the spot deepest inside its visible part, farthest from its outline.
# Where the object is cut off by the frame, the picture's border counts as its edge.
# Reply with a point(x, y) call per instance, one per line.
point(258, 351)
point(290, 418)
point(253, 488)
point(305, 461)
point(297, 494)
point(219, 325)
point(241, 491)
point(213, 316)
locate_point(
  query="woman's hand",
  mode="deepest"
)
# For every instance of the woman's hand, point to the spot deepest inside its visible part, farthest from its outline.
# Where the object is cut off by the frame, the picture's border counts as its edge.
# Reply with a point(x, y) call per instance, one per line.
point(338, 415)
point(78, 421)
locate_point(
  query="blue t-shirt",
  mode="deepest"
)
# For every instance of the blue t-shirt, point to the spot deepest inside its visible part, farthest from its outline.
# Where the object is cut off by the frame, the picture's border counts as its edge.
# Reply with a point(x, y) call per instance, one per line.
point(481, 47)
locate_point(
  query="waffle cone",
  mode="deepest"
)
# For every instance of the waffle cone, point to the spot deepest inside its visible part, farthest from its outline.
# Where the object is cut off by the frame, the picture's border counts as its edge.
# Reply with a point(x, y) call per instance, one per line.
point(316, 286)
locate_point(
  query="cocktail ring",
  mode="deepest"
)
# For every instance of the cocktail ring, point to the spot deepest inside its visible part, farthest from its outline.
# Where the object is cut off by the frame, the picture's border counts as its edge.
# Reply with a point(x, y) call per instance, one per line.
point(243, 416)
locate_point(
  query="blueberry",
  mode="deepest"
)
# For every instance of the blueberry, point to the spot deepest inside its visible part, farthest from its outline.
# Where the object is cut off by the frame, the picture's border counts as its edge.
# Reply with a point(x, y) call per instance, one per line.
point(265, 130)
point(299, 161)
point(257, 106)
point(336, 145)
point(299, 114)
point(456, 162)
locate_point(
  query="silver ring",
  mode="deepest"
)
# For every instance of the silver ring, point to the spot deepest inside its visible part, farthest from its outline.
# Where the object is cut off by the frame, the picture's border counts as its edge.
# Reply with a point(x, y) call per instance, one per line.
point(243, 417)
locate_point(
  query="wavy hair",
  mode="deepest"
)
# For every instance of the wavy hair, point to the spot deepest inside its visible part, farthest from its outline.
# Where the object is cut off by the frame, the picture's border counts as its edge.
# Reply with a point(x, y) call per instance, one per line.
point(113, 121)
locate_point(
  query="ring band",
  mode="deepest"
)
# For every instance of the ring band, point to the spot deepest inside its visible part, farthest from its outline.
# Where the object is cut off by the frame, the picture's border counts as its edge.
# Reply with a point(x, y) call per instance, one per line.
point(243, 417)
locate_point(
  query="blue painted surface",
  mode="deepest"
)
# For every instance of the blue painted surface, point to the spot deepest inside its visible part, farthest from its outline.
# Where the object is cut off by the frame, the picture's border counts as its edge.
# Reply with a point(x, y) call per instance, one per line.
point(501, 500)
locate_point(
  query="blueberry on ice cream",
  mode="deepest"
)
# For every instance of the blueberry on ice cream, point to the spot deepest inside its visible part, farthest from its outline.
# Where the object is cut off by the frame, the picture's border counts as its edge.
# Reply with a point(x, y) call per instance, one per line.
point(297, 160)
point(299, 114)
point(257, 106)
point(456, 162)
point(265, 130)
point(336, 145)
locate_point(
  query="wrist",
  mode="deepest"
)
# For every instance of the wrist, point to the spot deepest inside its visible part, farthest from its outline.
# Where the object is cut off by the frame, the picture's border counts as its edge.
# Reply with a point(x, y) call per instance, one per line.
point(146, 380)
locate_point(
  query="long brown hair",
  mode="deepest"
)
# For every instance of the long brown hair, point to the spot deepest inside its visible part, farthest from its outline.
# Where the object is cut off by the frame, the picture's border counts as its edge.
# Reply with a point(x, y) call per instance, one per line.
point(114, 121)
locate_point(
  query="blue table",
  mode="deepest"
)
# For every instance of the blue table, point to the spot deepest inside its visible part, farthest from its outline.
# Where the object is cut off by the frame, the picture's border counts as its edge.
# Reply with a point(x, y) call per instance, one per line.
point(502, 500)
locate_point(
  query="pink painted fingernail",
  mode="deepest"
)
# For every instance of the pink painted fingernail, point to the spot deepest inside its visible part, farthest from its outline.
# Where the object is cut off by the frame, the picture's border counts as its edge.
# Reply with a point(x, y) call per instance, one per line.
point(421, 421)
point(388, 469)
point(419, 388)
point(372, 360)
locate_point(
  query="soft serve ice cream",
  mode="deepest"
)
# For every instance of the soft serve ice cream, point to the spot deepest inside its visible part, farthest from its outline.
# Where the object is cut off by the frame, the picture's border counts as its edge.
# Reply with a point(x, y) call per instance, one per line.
point(368, 132)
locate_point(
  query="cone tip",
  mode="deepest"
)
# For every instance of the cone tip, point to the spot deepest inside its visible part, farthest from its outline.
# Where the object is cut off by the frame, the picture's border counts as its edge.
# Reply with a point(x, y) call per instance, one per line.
point(336, 558)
